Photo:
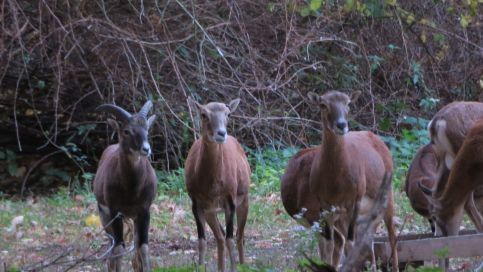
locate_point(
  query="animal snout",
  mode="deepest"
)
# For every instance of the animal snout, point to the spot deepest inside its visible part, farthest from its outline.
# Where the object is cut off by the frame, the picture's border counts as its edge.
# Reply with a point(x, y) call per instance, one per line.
point(220, 136)
point(341, 125)
point(146, 149)
point(221, 133)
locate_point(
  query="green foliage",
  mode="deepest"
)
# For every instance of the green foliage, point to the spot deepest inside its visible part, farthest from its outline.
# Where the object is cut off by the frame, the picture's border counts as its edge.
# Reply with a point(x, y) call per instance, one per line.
point(373, 8)
point(41, 84)
point(61, 174)
point(424, 269)
point(416, 73)
point(404, 147)
point(11, 161)
point(442, 253)
point(428, 103)
point(75, 154)
point(393, 47)
point(84, 129)
point(311, 9)
point(13, 269)
point(268, 166)
point(306, 263)
point(61, 198)
point(315, 4)
point(253, 268)
point(88, 177)
point(440, 38)
point(375, 62)
point(171, 182)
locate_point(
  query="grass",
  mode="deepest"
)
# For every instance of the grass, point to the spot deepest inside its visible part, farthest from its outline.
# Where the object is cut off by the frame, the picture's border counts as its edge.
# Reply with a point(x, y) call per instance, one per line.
point(59, 223)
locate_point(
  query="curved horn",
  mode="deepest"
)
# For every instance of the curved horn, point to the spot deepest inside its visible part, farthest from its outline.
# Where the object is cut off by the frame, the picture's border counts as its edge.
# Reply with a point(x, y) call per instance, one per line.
point(120, 113)
point(145, 109)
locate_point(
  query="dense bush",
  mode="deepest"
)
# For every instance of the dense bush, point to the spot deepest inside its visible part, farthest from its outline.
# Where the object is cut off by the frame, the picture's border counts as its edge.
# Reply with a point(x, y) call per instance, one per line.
point(60, 59)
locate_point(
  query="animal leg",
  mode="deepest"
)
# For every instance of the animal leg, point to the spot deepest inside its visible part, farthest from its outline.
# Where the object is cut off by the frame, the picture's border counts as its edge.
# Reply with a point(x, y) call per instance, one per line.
point(229, 218)
point(106, 218)
point(322, 244)
point(339, 243)
point(201, 228)
point(326, 243)
point(141, 232)
point(114, 262)
point(442, 172)
point(214, 224)
point(433, 228)
point(241, 217)
point(391, 230)
point(473, 213)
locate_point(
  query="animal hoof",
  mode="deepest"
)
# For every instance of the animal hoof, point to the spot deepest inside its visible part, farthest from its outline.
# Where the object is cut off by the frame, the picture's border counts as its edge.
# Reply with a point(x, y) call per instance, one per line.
point(141, 259)
point(114, 262)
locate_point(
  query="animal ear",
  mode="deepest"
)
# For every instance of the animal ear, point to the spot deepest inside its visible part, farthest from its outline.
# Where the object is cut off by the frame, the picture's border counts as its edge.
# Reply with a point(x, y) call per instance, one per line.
point(314, 98)
point(194, 104)
point(151, 120)
point(233, 104)
point(113, 124)
point(354, 96)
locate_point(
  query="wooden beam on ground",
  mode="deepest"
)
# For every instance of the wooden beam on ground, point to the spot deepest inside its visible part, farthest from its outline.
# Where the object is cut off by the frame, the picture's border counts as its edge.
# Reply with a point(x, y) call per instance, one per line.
point(415, 248)
point(419, 236)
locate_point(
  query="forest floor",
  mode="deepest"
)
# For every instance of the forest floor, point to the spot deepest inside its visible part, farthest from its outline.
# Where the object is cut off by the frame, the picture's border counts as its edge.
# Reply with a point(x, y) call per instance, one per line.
point(61, 231)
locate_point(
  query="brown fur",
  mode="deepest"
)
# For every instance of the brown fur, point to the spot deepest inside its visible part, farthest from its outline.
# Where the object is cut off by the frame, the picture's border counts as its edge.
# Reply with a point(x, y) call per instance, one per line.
point(217, 179)
point(338, 173)
point(125, 183)
point(465, 177)
point(422, 169)
point(130, 189)
point(460, 117)
point(451, 124)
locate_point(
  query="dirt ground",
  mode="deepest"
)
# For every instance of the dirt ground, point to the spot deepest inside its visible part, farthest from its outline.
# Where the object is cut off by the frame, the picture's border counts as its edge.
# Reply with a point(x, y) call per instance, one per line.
point(60, 233)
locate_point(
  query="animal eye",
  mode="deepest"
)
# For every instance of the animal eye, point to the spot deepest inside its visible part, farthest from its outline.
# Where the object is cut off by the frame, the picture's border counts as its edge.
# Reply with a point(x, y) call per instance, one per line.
point(126, 132)
point(204, 116)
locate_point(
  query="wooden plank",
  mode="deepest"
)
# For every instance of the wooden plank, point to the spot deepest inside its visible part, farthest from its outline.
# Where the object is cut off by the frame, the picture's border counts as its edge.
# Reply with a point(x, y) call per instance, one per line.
point(419, 236)
point(424, 249)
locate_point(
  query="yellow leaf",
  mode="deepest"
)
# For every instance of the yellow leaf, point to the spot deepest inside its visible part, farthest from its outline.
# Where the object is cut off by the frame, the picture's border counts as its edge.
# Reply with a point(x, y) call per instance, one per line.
point(93, 221)
point(424, 21)
point(349, 5)
point(410, 19)
point(442, 53)
point(424, 38)
point(465, 21)
point(391, 2)
point(31, 112)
